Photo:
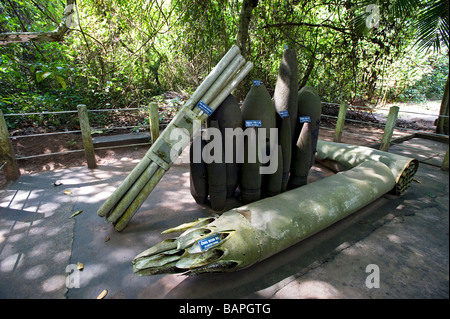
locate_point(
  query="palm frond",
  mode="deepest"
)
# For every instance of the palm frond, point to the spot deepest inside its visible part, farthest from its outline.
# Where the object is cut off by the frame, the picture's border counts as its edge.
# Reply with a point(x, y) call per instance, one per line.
point(432, 25)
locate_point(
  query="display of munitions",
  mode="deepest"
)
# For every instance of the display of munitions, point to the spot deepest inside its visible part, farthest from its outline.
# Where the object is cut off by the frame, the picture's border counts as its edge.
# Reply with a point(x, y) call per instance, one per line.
point(285, 101)
point(260, 228)
point(246, 235)
point(288, 111)
point(137, 186)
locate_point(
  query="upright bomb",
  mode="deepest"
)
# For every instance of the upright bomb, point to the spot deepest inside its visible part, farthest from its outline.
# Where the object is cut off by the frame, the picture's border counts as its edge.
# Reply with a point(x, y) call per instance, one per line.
point(228, 115)
point(285, 101)
point(303, 150)
point(198, 180)
point(257, 113)
point(216, 172)
point(307, 133)
point(309, 104)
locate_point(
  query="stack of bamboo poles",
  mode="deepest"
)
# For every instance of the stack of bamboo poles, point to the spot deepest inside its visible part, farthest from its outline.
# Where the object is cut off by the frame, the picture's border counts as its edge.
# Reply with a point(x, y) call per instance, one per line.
point(123, 203)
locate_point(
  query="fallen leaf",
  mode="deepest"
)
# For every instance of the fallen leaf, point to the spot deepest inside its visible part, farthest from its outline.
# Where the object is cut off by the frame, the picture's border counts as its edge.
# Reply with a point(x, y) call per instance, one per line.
point(107, 238)
point(80, 266)
point(67, 192)
point(78, 212)
point(102, 294)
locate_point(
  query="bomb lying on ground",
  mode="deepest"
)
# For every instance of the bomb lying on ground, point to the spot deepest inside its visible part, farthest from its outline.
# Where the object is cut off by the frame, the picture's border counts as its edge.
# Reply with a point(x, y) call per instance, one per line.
point(246, 235)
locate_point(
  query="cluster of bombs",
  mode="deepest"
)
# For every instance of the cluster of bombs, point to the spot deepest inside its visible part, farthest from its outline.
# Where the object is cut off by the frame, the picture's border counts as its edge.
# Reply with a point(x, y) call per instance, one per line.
point(292, 114)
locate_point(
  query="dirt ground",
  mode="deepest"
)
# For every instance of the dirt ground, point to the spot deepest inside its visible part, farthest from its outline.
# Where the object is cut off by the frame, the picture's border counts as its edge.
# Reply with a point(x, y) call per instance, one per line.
point(366, 134)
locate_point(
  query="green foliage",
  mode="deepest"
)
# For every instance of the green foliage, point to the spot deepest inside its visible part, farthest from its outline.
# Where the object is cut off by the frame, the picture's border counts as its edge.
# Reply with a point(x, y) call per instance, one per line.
point(125, 53)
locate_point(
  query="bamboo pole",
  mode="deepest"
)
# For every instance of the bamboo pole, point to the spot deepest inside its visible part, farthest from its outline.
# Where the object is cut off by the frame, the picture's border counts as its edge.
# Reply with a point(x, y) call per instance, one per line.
point(139, 200)
point(86, 135)
point(340, 122)
point(7, 158)
point(131, 194)
point(389, 128)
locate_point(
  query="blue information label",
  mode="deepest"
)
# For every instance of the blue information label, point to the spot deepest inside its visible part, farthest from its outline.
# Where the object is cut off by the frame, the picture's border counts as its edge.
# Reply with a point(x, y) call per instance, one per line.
point(284, 113)
point(304, 119)
point(253, 123)
point(256, 82)
point(209, 242)
point(205, 108)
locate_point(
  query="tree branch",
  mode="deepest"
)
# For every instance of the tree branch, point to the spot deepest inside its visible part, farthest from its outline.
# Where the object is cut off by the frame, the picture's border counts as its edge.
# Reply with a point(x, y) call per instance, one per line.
point(52, 36)
point(278, 25)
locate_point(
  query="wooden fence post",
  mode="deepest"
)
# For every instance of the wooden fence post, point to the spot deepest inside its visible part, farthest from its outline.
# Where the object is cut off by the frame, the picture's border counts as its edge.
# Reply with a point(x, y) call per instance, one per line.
point(389, 128)
point(340, 122)
point(444, 166)
point(7, 158)
point(154, 121)
point(86, 135)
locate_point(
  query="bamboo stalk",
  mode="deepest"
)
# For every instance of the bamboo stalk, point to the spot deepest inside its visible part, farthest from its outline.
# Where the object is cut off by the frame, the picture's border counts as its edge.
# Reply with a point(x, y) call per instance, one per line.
point(221, 82)
point(212, 76)
point(114, 198)
point(131, 194)
point(139, 200)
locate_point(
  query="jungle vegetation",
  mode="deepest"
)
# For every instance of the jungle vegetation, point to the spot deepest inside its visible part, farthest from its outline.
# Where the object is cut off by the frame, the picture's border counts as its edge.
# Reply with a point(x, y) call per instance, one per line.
point(56, 54)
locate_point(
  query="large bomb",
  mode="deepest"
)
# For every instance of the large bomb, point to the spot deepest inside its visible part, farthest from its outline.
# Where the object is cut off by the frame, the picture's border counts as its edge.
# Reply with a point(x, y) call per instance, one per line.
point(285, 101)
point(198, 180)
point(216, 170)
point(228, 116)
point(306, 133)
point(257, 113)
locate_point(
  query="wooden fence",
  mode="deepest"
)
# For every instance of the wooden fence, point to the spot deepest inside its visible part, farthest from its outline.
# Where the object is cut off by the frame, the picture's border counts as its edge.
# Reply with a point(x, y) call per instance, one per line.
point(10, 167)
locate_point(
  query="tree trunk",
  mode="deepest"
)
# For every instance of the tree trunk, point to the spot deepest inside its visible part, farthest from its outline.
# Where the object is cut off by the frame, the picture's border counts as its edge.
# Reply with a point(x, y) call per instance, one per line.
point(244, 21)
point(308, 71)
point(442, 122)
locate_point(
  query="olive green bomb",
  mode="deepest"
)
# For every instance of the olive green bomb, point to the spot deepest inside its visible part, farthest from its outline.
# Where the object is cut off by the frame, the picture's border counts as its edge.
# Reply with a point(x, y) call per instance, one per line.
point(285, 102)
point(306, 135)
point(257, 112)
point(309, 104)
point(216, 173)
point(198, 181)
point(228, 115)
